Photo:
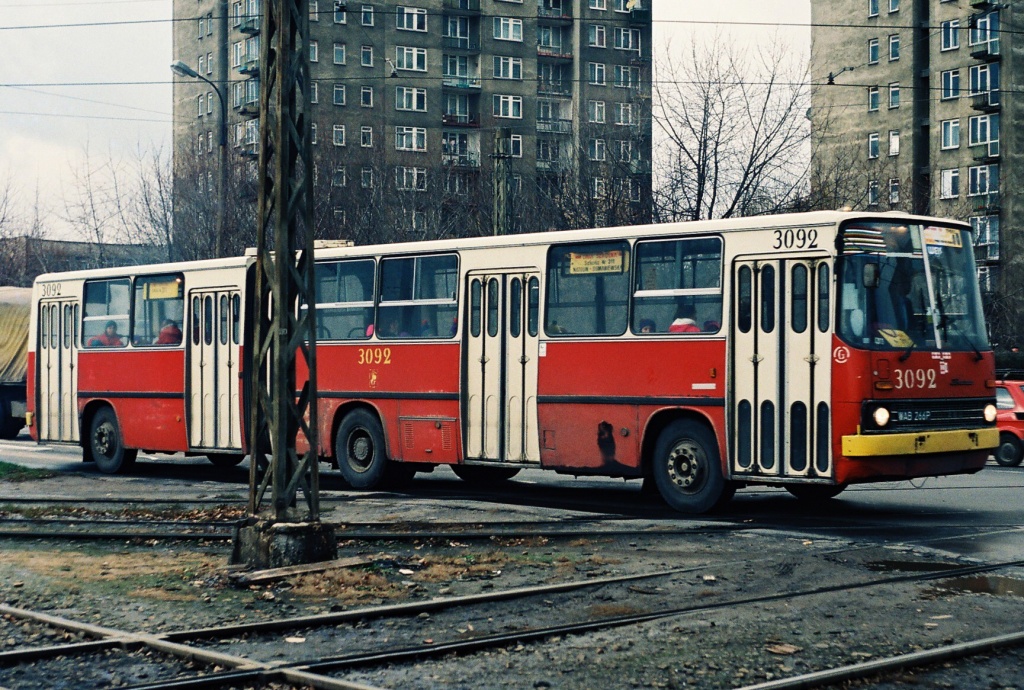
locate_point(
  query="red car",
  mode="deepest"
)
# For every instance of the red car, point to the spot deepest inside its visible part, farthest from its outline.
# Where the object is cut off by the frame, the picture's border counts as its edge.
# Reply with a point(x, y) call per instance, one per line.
point(1010, 420)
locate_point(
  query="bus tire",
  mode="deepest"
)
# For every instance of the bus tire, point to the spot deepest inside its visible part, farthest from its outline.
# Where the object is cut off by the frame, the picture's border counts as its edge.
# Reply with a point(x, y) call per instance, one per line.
point(815, 493)
point(107, 445)
point(360, 451)
point(687, 469)
point(480, 475)
point(1010, 451)
point(225, 461)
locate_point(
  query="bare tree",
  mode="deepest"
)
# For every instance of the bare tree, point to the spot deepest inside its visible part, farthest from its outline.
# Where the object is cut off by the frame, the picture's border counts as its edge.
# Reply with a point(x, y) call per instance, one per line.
point(734, 131)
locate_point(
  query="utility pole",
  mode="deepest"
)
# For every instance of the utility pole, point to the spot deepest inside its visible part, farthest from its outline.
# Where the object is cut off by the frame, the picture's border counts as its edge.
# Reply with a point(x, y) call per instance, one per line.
point(284, 310)
point(502, 215)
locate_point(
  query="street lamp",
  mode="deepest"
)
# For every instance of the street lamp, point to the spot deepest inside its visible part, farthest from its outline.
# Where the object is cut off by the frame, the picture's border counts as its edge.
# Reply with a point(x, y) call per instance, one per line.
point(183, 70)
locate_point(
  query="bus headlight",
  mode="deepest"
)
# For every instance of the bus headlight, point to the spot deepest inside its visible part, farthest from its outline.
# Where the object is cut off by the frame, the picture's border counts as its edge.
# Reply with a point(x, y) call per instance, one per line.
point(990, 413)
point(881, 416)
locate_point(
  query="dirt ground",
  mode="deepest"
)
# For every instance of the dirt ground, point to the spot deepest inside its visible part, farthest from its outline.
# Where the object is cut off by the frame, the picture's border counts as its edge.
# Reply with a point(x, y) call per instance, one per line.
point(159, 585)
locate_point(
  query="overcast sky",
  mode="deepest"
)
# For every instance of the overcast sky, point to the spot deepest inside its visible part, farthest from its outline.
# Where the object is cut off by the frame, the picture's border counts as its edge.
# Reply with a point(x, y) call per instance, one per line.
point(108, 88)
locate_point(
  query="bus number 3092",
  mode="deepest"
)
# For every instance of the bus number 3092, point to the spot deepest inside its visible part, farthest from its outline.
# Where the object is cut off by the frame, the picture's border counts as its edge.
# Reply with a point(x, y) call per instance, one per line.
point(374, 355)
point(796, 239)
point(914, 378)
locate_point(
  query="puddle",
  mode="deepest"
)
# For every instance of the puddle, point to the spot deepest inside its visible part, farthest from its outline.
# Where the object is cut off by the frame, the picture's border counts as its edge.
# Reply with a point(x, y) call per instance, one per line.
point(979, 584)
point(909, 566)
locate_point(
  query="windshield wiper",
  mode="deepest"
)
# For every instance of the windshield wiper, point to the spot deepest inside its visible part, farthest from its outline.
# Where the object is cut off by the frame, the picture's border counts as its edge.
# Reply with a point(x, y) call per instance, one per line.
point(947, 322)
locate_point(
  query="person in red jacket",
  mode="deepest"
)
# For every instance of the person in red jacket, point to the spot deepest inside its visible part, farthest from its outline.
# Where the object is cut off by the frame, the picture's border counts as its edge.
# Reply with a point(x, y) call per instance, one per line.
point(108, 338)
point(685, 321)
point(170, 334)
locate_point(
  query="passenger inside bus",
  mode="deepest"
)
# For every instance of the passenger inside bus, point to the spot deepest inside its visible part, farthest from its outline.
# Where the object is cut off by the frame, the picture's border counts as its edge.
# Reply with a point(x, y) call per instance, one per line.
point(170, 334)
point(685, 321)
point(648, 326)
point(108, 338)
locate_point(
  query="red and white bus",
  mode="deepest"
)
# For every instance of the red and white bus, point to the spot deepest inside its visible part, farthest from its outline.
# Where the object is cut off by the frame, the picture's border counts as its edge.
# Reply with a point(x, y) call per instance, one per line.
point(809, 351)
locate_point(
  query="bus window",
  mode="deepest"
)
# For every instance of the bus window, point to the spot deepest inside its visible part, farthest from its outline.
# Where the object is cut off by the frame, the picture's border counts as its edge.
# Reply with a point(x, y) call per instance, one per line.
point(418, 297)
point(678, 286)
point(515, 325)
point(344, 299)
point(533, 306)
point(159, 310)
point(587, 289)
point(824, 284)
point(196, 319)
point(44, 327)
point(768, 299)
point(224, 319)
point(798, 296)
point(106, 317)
point(236, 318)
point(492, 307)
point(208, 320)
point(744, 300)
point(67, 326)
point(475, 294)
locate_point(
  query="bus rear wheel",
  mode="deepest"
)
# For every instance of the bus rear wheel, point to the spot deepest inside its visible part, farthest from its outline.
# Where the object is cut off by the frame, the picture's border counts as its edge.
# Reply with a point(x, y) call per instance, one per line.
point(225, 460)
point(474, 474)
point(687, 470)
point(1010, 451)
point(815, 493)
point(107, 446)
point(360, 450)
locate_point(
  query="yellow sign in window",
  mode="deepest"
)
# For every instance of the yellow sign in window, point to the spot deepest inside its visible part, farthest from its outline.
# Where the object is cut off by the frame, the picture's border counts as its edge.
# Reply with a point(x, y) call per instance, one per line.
point(596, 262)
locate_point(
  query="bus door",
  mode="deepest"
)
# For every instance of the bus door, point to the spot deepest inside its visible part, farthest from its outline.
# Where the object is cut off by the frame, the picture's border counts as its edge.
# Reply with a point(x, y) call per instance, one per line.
point(501, 347)
point(214, 409)
point(57, 375)
point(780, 361)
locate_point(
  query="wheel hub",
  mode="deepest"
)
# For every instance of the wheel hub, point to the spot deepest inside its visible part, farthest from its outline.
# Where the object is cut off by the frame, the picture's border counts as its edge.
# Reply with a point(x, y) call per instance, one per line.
point(360, 452)
point(683, 467)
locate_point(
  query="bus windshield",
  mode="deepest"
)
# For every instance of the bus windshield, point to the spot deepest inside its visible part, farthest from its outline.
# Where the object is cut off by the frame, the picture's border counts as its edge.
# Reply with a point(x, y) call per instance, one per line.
point(909, 287)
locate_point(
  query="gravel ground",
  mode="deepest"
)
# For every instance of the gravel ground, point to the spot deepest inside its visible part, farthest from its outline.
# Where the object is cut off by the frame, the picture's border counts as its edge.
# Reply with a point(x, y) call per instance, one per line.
point(159, 586)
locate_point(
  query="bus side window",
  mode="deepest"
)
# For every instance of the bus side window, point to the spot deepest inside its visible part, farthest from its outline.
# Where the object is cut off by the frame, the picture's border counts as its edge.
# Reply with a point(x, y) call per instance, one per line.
point(106, 302)
point(587, 289)
point(344, 299)
point(158, 310)
point(678, 286)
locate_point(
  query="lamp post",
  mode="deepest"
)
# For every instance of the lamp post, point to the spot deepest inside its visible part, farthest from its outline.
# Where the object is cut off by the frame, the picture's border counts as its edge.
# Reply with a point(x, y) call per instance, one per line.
point(183, 70)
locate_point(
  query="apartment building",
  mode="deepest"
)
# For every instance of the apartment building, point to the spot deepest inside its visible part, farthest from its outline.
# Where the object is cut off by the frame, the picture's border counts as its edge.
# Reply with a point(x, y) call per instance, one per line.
point(913, 109)
point(407, 98)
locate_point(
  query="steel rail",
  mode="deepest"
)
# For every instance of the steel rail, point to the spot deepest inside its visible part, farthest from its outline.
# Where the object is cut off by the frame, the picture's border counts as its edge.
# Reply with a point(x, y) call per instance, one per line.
point(116, 536)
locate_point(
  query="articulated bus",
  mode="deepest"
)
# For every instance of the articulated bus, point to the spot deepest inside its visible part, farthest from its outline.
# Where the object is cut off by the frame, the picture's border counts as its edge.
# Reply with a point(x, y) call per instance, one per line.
point(810, 351)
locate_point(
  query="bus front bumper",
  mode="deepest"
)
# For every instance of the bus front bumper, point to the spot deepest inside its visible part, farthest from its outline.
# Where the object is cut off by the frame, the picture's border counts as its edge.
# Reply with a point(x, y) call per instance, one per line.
point(863, 446)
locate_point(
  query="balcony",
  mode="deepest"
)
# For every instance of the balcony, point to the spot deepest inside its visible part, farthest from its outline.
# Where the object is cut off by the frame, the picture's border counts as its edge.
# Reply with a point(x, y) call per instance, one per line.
point(467, 43)
point(462, 6)
point(548, 87)
point(554, 126)
point(987, 203)
point(460, 120)
point(986, 101)
point(639, 167)
point(986, 52)
point(453, 81)
point(555, 52)
point(469, 159)
point(549, 166)
point(250, 25)
point(987, 153)
point(250, 65)
point(557, 14)
point(640, 16)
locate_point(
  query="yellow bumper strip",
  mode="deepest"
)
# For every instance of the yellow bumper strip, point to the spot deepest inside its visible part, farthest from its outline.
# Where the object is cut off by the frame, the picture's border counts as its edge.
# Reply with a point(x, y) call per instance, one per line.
point(861, 446)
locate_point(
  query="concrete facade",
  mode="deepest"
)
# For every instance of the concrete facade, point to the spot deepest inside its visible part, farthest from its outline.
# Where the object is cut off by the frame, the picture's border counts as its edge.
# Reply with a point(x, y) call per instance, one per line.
point(408, 97)
point(948, 146)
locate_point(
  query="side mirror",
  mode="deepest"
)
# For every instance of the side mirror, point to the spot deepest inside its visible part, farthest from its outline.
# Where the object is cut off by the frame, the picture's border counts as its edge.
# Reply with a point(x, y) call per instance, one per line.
point(871, 276)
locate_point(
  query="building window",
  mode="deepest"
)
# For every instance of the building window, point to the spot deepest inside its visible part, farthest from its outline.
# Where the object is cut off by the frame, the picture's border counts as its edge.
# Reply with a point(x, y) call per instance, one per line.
point(596, 36)
point(366, 15)
point(894, 47)
point(338, 137)
point(410, 139)
point(508, 29)
point(894, 95)
point(894, 6)
point(984, 78)
point(872, 98)
point(982, 129)
point(873, 51)
point(314, 10)
point(599, 188)
point(411, 179)
point(894, 142)
point(508, 106)
point(366, 96)
point(595, 73)
point(595, 111)
point(627, 77)
point(986, 238)
point(951, 84)
point(508, 67)
point(627, 39)
point(624, 114)
point(312, 132)
point(873, 193)
point(414, 59)
point(340, 176)
point(982, 179)
point(408, 98)
point(597, 149)
point(339, 53)
point(410, 19)
point(598, 5)
point(951, 134)
point(951, 34)
point(894, 190)
point(366, 137)
point(314, 92)
point(366, 177)
point(872, 8)
point(339, 94)
point(516, 144)
point(950, 183)
point(873, 145)
point(366, 56)
point(314, 51)
point(209, 103)
point(340, 15)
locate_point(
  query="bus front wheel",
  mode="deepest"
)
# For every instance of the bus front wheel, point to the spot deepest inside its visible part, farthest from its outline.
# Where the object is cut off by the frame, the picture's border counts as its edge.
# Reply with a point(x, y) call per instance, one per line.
point(360, 450)
point(687, 469)
point(107, 446)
